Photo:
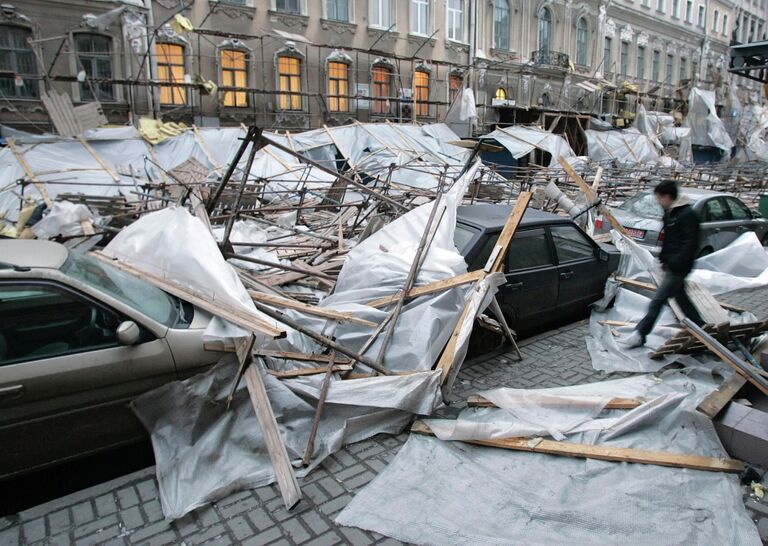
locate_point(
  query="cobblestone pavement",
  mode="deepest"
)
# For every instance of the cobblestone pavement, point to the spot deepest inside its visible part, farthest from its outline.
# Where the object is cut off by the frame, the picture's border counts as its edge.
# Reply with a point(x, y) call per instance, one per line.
point(127, 510)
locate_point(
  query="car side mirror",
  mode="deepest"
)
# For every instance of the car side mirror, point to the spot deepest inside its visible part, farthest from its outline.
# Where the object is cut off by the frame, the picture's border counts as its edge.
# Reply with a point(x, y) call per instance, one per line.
point(128, 333)
point(756, 214)
point(602, 255)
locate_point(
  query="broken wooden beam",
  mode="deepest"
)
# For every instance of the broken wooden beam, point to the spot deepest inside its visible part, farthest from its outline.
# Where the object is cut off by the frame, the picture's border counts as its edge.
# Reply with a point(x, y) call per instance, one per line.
point(431, 288)
point(603, 452)
point(721, 396)
point(619, 402)
point(277, 301)
point(301, 372)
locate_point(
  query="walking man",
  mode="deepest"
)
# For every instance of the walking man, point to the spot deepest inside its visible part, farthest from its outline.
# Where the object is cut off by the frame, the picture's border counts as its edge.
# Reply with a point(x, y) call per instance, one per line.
point(678, 252)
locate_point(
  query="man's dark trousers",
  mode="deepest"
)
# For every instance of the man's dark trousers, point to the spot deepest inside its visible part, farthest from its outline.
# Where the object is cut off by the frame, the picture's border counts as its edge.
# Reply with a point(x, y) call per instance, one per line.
point(673, 286)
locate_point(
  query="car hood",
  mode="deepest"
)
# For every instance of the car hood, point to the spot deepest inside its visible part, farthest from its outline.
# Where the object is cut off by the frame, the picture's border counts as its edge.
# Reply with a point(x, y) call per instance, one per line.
point(627, 219)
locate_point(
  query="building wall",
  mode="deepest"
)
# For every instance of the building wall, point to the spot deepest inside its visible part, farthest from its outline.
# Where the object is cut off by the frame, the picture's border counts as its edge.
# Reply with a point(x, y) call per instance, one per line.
point(515, 77)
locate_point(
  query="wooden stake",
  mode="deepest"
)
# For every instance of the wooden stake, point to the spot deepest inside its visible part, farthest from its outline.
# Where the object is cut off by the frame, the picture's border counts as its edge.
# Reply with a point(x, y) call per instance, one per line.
point(319, 410)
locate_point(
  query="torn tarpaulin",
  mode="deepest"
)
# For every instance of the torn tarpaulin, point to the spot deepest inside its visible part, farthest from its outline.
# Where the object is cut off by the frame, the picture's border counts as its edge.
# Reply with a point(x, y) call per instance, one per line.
point(543, 499)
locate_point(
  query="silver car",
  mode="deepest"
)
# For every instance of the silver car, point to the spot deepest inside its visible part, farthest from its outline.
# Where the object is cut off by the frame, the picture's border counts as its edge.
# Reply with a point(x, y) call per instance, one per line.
point(79, 340)
point(723, 219)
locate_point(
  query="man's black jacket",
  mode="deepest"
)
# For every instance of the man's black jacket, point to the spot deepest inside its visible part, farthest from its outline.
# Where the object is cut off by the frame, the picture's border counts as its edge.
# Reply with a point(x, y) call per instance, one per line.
point(681, 239)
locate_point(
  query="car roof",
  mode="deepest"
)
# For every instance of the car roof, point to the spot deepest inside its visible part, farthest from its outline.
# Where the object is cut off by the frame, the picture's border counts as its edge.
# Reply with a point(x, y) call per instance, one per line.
point(32, 253)
point(495, 216)
point(696, 194)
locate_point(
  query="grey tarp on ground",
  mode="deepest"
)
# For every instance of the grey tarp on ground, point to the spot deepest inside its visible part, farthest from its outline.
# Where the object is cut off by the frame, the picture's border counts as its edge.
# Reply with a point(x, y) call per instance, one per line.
point(437, 492)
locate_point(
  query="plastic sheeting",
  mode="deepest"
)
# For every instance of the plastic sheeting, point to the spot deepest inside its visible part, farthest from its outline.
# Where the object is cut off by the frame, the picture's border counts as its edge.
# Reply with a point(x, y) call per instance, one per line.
point(706, 128)
point(543, 499)
point(627, 146)
point(520, 141)
point(742, 264)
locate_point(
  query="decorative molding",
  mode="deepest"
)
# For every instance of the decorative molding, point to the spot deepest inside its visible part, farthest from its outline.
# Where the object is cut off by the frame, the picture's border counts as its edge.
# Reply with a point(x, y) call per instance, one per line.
point(292, 119)
point(456, 47)
point(9, 14)
point(233, 11)
point(418, 40)
point(338, 27)
point(642, 39)
point(610, 28)
point(234, 43)
point(627, 33)
point(171, 4)
point(390, 36)
point(166, 34)
point(289, 20)
point(504, 55)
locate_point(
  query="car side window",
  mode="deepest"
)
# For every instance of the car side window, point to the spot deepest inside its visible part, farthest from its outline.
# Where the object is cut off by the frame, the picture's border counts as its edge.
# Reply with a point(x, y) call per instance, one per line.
point(716, 210)
point(485, 252)
point(528, 249)
point(739, 210)
point(42, 321)
point(571, 244)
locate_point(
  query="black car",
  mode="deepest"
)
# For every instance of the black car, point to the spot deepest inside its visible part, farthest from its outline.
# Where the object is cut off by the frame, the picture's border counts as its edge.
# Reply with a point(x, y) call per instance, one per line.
point(554, 270)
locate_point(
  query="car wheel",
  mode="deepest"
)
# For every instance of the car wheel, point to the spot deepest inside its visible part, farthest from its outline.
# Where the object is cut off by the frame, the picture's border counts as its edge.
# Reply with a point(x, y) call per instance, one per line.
point(708, 250)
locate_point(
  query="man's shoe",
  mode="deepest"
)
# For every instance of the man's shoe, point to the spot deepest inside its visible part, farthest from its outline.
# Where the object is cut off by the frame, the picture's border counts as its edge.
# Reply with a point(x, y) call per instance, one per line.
point(635, 339)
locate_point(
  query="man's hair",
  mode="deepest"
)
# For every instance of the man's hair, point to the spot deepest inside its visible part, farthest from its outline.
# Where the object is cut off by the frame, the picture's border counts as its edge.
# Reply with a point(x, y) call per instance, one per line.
point(666, 187)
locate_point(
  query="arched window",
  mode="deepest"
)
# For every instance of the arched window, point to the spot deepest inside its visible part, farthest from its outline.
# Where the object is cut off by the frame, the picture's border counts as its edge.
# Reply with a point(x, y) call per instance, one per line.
point(501, 94)
point(16, 61)
point(501, 24)
point(171, 69)
point(289, 82)
point(455, 83)
point(234, 73)
point(381, 76)
point(421, 92)
point(581, 41)
point(94, 55)
point(545, 29)
point(338, 86)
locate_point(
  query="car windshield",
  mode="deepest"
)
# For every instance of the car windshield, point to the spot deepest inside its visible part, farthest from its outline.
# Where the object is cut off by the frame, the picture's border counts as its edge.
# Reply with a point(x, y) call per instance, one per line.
point(124, 287)
point(643, 204)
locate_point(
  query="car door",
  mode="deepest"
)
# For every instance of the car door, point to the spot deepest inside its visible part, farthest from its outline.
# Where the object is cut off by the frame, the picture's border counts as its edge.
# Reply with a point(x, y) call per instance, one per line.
point(743, 219)
point(65, 382)
point(530, 295)
point(718, 229)
point(581, 274)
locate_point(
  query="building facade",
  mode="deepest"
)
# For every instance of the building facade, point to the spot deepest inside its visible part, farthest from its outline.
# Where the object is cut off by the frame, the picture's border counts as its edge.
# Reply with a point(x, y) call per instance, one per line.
point(296, 64)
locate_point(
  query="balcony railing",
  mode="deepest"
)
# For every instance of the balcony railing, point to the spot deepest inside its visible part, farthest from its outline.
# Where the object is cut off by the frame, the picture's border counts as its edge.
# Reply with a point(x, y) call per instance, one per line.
point(547, 57)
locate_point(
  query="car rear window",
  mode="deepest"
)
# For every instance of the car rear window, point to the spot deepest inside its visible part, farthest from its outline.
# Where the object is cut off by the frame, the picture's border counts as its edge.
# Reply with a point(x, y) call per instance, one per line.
point(643, 204)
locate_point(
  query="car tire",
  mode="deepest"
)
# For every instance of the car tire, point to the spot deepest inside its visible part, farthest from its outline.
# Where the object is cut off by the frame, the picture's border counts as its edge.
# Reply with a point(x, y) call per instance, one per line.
point(708, 250)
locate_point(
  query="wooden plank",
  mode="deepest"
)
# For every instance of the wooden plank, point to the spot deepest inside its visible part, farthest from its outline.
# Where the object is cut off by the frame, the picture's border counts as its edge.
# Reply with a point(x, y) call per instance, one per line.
point(652, 288)
point(431, 288)
point(604, 452)
point(300, 372)
point(286, 480)
point(277, 301)
point(719, 398)
point(752, 374)
point(618, 402)
point(19, 155)
point(104, 165)
point(249, 321)
point(204, 147)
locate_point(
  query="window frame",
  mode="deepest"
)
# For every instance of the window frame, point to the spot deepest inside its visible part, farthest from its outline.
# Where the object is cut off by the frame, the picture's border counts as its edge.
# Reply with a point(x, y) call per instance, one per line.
point(94, 56)
point(640, 68)
point(455, 75)
point(412, 8)
point(656, 66)
point(607, 54)
point(624, 58)
point(421, 106)
point(223, 70)
point(290, 95)
point(34, 85)
point(174, 91)
point(582, 45)
point(723, 204)
point(86, 299)
point(386, 6)
point(342, 99)
point(669, 68)
point(502, 30)
point(545, 23)
point(533, 233)
point(451, 17)
point(350, 7)
point(382, 104)
point(738, 205)
point(300, 9)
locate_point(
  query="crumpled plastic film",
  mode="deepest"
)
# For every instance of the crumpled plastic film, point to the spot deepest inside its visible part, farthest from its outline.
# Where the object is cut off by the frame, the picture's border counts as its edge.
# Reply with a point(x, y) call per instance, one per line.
point(545, 499)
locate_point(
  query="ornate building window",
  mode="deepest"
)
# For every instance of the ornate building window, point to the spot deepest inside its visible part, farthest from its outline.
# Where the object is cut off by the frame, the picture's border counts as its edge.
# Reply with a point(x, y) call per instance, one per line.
point(545, 29)
point(683, 68)
point(337, 10)
point(94, 56)
point(288, 6)
point(624, 59)
point(455, 20)
point(582, 35)
point(455, 84)
point(607, 55)
point(640, 62)
point(16, 61)
point(421, 92)
point(656, 65)
point(338, 86)
point(171, 69)
point(420, 17)
point(234, 64)
point(381, 77)
point(668, 72)
point(501, 29)
point(289, 82)
point(381, 13)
